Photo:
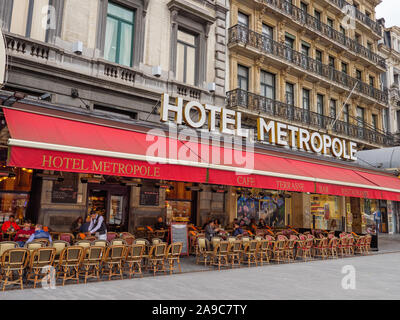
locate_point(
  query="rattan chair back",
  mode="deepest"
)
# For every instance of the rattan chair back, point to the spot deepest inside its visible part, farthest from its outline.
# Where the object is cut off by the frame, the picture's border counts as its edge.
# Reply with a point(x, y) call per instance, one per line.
point(100, 243)
point(83, 243)
point(156, 241)
point(5, 245)
point(42, 257)
point(59, 245)
point(71, 255)
point(118, 242)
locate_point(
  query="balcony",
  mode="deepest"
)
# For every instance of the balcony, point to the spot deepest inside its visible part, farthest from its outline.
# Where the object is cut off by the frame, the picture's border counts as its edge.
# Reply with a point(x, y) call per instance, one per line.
point(361, 17)
point(242, 35)
point(307, 20)
point(289, 113)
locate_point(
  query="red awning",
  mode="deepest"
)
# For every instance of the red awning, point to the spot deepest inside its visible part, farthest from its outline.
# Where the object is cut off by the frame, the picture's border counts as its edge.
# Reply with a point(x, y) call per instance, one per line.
point(53, 143)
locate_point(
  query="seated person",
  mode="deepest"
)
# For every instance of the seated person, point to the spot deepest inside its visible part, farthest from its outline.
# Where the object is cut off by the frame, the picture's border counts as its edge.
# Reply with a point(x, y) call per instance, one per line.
point(210, 232)
point(160, 225)
point(76, 225)
point(39, 234)
point(84, 228)
point(10, 225)
point(237, 230)
point(23, 234)
point(253, 226)
point(261, 223)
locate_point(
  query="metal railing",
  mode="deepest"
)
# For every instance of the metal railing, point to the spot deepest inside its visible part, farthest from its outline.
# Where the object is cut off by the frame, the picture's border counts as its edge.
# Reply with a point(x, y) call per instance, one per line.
point(241, 34)
point(287, 112)
point(362, 17)
point(313, 23)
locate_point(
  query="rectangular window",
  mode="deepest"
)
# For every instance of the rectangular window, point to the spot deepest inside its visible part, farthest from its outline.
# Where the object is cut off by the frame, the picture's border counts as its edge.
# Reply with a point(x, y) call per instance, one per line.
point(344, 67)
point(243, 19)
point(304, 6)
point(267, 31)
point(329, 21)
point(358, 38)
point(267, 85)
point(375, 121)
point(360, 117)
point(369, 46)
point(186, 58)
point(371, 81)
point(318, 55)
point(289, 42)
point(346, 115)
point(306, 99)
point(332, 108)
point(342, 31)
point(317, 15)
point(289, 93)
point(119, 35)
point(358, 75)
point(398, 120)
point(243, 78)
point(332, 62)
point(320, 104)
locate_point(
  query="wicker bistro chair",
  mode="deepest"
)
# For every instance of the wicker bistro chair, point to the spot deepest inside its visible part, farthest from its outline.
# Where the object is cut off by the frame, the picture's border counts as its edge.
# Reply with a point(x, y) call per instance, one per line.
point(220, 254)
point(133, 258)
point(367, 243)
point(128, 239)
point(68, 237)
point(332, 247)
point(13, 263)
point(5, 245)
point(278, 250)
point(202, 254)
point(39, 263)
point(156, 259)
point(263, 253)
point(173, 255)
point(100, 243)
point(304, 246)
point(321, 247)
point(69, 263)
point(290, 248)
point(59, 246)
point(235, 252)
point(83, 243)
point(113, 260)
point(215, 241)
point(350, 245)
point(250, 252)
point(160, 234)
point(111, 236)
point(118, 242)
point(359, 246)
point(91, 262)
point(156, 241)
point(125, 234)
point(32, 246)
point(342, 245)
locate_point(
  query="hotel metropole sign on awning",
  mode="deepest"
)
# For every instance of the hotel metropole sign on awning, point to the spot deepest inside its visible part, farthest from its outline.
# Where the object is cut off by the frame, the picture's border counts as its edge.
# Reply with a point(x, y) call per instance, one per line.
point(2, 59)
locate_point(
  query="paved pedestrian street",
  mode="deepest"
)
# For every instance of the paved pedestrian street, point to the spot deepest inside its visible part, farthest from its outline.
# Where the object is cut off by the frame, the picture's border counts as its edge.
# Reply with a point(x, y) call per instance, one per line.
point(376, 277)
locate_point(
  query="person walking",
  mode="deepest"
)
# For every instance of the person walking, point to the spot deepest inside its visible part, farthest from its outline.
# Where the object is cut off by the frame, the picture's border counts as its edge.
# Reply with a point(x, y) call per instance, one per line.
point(98, 226)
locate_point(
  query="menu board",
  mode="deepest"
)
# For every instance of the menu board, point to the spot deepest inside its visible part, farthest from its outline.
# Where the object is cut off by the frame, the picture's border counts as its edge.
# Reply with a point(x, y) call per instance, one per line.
point(179, 233)
point(149, 198)
point(65, 191)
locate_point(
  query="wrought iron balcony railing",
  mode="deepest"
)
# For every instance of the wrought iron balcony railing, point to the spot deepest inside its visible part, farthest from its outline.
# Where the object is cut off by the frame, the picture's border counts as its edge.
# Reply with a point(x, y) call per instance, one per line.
point(362, 17)
point(241, 34)
point(313, 23)
point(286, 112)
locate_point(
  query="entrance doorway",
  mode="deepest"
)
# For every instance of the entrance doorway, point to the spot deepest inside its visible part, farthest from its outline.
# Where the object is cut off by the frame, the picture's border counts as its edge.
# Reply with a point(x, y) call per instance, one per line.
point(112, 202)
point(384, 216)
point(356, 211)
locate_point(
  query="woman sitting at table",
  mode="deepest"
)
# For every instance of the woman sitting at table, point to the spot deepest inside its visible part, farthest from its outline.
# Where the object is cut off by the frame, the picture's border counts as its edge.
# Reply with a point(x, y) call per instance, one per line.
point(10, 225)
point(76, 225)
point(253, 226)
point(23, 234)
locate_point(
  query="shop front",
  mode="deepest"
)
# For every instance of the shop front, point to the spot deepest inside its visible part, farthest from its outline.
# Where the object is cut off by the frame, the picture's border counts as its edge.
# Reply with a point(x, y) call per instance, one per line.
point(132, 175)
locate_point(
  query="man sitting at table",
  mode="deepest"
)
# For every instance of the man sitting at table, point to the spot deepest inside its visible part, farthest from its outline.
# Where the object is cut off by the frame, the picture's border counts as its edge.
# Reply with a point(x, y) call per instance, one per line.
point(39, 234)
point(10, 225)
point(210, 231)
point(237, 230)
point(24, 234)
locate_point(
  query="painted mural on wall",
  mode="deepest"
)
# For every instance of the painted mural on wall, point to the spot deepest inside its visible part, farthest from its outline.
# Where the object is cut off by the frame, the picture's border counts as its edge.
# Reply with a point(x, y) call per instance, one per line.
point(269, 208)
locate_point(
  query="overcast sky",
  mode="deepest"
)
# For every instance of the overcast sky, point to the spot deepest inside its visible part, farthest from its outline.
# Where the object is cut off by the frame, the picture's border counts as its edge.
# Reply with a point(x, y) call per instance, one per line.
point(390, 10)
